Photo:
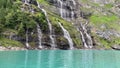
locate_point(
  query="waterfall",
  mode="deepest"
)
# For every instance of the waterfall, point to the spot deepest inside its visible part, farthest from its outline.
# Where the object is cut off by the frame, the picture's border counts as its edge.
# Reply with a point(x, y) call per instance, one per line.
point(90, 42)
point(60, 3)
point(86, 38)
point(26, 2)
point(72, 12)
point(39, 36)
point(65, 13)
point(50, 27)
point(67, 36)
point(83, 39)
point(27, 44)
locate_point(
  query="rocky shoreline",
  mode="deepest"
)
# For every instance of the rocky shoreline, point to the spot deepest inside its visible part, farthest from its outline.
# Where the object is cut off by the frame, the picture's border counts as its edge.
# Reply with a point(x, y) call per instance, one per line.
point(2, 48)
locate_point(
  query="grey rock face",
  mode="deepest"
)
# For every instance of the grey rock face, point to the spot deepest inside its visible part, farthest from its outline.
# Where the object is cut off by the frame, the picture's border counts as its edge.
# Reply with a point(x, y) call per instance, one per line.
point(103, 1)
point(107, 34)
point(116, 47)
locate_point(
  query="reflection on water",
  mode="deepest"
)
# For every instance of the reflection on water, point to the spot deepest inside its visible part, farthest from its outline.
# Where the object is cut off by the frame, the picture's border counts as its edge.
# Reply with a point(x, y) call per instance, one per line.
point(87, 58)
point(60, 59)
point(26, 58)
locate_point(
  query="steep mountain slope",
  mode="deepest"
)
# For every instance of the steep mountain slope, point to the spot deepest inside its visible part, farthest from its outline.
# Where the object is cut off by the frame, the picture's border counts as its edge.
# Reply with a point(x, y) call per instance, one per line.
point(104, 21)
point(62, 24)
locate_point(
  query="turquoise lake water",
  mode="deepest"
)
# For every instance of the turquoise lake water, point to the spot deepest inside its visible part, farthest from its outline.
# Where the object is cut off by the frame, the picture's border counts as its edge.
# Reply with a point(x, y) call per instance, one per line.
point(60, 59)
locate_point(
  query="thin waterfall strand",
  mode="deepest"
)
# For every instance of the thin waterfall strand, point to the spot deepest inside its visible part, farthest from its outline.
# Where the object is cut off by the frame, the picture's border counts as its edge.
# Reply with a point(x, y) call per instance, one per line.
point(83, 40)
point(61, 8)
point(50, 27)
point(27, 2)
point(64, 13)
point(67, 36)
point(89, 39)
point(39, 36)
point(27, 44)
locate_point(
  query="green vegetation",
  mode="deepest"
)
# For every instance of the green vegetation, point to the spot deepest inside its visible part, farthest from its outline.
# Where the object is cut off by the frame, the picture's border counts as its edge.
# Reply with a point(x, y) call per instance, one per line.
point(97, 19)
point(109, 6)
point(7, 42)
point(16, 18)
point(109, 21)
point(45, 2)
point(106, 44)
point(13, 20)
point(103, 18)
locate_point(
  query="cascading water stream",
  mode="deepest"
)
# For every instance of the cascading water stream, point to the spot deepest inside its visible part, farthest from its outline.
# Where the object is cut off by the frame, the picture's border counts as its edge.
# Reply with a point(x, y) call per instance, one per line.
point(39, 36)
point(60, 3)
point(83, 39)
point(26, 2)
point(87, 43)
point(50, 27)
point(67, 36)
point(74, 3)
point(27, 44)
point(72, 12)
point(65, 13)
point(90, 42)
point(72, 15)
